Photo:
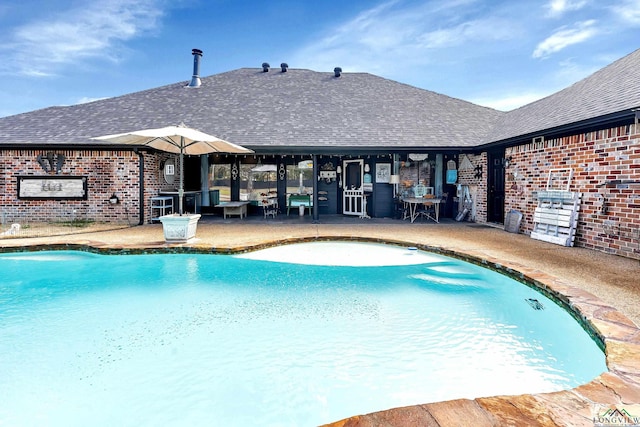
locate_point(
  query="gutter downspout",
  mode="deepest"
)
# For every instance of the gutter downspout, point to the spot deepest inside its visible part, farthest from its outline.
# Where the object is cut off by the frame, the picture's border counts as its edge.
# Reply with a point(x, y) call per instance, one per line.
point(141, 179)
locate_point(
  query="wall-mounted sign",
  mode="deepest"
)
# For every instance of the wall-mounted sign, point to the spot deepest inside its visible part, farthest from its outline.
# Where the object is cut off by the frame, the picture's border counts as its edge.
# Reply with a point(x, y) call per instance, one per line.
point(328, 174)
point(52, 187)
point(169, 172)
point(383, 172)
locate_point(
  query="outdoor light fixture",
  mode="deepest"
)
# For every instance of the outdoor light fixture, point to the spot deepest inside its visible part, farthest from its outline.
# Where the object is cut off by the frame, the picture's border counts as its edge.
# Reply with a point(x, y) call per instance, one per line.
point(339, 169)
point(114, 199)
point(394, 180)
point(367, 168)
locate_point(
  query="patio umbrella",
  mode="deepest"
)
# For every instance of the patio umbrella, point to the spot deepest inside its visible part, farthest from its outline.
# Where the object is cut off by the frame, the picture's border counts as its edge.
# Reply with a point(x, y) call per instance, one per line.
point(265, 168)
point(304, 164)
point(270, 170)
point(177, 139)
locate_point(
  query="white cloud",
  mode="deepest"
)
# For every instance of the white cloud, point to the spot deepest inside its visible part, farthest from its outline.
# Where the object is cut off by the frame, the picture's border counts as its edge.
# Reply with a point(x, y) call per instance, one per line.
point(571, 70)
point(565, 37)
point(509, 102)
point(385, 36)
point(486, 30)
point(628, 11)
point(39, 48)
point(86, 100)
point(558, 8)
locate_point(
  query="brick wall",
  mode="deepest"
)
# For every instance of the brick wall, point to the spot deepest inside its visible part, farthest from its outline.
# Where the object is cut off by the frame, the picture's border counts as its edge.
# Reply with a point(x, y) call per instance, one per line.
point(108, 172)
point(467, 175)
point(153, 178)
point(606, 170)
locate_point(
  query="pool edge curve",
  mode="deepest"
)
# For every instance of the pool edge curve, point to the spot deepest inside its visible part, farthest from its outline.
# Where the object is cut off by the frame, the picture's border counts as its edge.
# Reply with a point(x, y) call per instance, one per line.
point(614, 332)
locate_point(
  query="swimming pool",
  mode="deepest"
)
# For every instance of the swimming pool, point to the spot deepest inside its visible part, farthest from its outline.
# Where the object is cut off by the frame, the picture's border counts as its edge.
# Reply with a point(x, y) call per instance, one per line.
point(244, 340)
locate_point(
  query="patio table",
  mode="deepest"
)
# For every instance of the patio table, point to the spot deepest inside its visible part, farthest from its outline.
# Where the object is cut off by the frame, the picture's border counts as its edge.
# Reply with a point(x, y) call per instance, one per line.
point(411, 204)
point(234, 208)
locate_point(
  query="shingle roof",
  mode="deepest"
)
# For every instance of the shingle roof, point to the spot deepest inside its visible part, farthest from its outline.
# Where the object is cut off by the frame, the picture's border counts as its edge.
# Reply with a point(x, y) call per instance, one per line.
point(299, 108)
point(308, 110)
point(612, 89)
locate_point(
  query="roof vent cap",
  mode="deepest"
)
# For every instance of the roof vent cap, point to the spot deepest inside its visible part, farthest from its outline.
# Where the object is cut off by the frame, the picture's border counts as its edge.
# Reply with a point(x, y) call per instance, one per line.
point(284, 67)
point(195, 78)
point(265, 67)
point(337, 71)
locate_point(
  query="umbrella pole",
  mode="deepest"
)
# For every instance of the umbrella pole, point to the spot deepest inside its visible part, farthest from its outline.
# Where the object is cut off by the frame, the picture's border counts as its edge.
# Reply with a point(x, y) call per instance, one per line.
point(181, 188)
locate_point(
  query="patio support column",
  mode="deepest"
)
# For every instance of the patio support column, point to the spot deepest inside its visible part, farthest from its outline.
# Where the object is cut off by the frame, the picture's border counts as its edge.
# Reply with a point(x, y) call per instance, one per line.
point(204, 179)
point(281, 182)
point(235, 178)
point(181, 186)
point(438, 174)
point(141, 186)
point(316, 172)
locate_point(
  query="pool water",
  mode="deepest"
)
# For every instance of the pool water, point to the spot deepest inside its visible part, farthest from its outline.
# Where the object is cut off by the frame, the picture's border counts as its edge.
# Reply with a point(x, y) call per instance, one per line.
point(268, 339)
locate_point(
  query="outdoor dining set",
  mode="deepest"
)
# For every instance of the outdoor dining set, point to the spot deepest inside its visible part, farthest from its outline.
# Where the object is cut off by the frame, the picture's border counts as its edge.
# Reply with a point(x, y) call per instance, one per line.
point(427, 207)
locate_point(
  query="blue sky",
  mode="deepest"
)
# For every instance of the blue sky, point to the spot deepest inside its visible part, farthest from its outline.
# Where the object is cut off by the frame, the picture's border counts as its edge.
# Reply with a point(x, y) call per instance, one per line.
point(502, 54)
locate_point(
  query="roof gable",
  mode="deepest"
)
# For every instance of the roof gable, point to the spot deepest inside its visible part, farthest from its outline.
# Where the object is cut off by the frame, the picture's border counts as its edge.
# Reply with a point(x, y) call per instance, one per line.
point(612, 89)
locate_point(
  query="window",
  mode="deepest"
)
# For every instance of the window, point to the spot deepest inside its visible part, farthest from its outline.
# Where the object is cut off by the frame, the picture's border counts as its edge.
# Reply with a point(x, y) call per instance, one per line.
point(220, 180)
point(257, 181)
point(300, 178)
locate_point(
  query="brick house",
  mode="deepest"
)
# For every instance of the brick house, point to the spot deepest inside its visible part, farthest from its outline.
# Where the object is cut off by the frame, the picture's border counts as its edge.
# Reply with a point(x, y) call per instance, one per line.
point(591, 128)
point(354, 131)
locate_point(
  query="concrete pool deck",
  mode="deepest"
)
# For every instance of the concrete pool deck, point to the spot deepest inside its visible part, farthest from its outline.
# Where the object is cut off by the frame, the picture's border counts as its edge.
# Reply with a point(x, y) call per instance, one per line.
point(603, 289)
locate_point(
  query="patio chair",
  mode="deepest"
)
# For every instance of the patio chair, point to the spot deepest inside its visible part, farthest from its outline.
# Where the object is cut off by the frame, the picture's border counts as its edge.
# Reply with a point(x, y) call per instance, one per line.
point(269, 206)
point(428, 210)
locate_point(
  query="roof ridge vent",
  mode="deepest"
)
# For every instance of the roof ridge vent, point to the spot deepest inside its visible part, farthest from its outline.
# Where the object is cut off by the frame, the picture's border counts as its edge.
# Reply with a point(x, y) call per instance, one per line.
point(195, 79)
point(337, 71)
point(284, 67)
point(265, 67)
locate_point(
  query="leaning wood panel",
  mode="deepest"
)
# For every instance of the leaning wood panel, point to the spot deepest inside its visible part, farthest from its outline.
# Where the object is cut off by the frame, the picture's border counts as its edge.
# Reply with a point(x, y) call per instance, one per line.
point(556, 217)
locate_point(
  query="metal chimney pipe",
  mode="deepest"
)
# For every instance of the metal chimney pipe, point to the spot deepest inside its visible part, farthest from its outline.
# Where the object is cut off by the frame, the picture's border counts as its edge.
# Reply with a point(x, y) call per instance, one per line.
point(195, 79)
point(337, 71)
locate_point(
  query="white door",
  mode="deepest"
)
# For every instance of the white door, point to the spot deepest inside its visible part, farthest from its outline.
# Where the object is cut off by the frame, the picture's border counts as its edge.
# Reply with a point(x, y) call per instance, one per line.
point(352, 192)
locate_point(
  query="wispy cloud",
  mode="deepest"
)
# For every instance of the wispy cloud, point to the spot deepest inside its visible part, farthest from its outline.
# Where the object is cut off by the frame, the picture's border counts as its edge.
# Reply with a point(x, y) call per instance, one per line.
point(571, 69)
point(40, 48)
point(86, 100)
point(564, 37)
point(628, 11)
point(458, 35)
point(557, 8)
point(396, 33)
point(508, 102)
